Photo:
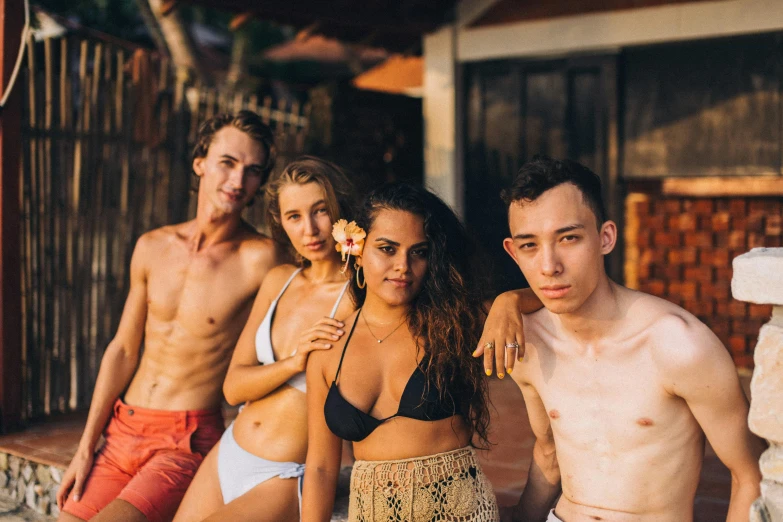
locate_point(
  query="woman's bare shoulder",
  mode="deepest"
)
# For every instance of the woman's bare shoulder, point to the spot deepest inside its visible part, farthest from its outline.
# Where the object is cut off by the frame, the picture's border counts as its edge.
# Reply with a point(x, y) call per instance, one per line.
point(275, 279)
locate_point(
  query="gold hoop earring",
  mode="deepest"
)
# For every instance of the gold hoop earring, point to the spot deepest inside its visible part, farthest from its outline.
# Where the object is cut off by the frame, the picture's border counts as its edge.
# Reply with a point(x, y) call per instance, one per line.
point(358, 283)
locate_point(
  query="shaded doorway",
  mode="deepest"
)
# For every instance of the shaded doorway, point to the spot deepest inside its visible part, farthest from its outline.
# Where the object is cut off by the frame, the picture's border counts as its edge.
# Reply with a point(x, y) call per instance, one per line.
point(515, 109)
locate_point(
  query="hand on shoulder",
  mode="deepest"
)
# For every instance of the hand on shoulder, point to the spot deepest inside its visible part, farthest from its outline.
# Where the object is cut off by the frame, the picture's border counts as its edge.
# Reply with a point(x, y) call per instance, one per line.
point(504, 327)
point(326, 361)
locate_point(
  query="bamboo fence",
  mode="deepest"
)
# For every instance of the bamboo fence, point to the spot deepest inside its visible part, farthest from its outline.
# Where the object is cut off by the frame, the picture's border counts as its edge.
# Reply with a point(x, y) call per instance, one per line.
point(106, 139)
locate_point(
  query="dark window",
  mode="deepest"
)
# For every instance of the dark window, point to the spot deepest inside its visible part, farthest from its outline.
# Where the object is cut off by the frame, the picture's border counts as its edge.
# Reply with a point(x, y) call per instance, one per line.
point(704, 108)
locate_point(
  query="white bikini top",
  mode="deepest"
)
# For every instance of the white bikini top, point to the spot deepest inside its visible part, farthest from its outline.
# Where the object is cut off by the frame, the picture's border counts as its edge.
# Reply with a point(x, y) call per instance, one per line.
point(264, 351)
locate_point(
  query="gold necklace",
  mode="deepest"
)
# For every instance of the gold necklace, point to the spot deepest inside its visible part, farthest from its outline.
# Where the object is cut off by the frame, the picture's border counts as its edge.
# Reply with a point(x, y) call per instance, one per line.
point(387, 336)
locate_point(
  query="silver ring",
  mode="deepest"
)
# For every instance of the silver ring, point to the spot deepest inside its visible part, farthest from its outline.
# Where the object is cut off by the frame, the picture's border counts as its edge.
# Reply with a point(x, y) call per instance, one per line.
point(512, 345)
point(489, 346)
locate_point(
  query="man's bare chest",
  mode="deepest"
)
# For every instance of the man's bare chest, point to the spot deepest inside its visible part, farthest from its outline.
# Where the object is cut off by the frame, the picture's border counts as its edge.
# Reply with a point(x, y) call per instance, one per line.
point(610, 405)
point(199, 290)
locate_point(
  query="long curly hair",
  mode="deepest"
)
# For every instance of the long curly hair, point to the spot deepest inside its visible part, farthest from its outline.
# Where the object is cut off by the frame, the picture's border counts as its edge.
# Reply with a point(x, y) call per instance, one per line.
point(446, 317)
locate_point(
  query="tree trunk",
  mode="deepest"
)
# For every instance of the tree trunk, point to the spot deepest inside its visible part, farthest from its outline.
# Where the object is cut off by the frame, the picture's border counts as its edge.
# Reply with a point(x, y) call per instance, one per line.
point(152, 26)
point(237, 70)
point(180, 45)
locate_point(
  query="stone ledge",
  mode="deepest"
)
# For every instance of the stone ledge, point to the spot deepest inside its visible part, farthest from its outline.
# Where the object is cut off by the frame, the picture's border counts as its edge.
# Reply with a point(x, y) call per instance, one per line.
point(30, 483)
point(772, 493)
point(771, 463)
point(33, 485)
point(757, 276)
point(15, 511)
point(758, 512)
point(766, 408)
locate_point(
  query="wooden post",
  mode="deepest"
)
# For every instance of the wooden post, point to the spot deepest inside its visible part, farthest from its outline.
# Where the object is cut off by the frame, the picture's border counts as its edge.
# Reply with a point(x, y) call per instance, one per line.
point(11, 24)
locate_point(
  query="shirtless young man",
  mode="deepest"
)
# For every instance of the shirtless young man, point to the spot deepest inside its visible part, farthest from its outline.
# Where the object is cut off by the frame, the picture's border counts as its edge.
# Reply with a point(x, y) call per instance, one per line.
point(621, 387)
point(191, 289)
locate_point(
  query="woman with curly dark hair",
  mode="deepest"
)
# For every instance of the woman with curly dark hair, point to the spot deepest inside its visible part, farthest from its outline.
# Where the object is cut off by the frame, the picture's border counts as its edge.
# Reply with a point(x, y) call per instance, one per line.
point(402, 385)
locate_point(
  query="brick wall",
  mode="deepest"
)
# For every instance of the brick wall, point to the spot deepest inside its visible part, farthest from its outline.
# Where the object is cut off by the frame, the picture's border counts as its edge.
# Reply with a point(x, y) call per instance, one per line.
point(681, 248)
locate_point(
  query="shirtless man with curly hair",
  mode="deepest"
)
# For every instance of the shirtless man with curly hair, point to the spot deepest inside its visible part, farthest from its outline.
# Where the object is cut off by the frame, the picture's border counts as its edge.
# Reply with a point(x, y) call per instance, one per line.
point(191, 289)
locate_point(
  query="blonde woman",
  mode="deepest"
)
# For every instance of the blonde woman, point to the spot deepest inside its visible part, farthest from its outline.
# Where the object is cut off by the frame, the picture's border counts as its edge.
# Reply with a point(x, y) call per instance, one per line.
point(255, 471)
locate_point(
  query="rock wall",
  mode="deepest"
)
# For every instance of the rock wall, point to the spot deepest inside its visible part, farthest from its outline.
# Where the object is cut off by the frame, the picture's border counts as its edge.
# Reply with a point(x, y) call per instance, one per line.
point(758, 278)
point(30, 483)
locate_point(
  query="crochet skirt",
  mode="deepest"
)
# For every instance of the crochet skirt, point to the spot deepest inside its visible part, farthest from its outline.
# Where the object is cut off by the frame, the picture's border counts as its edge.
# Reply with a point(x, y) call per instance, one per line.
point(446, 487)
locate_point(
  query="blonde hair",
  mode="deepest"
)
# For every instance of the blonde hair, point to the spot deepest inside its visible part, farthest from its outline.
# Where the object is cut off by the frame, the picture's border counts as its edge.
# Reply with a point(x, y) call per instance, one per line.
point(338, 192)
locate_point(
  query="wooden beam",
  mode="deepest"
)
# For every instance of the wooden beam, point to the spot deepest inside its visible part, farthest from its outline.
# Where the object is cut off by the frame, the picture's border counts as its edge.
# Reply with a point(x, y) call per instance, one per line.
point(511, 11)
point(468, 11)
point(11, 25)
point(611, 30)
point(716, 187)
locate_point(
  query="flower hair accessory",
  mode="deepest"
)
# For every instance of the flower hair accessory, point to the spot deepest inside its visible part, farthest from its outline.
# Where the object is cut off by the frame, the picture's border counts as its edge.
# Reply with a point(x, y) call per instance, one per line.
point(350, 240)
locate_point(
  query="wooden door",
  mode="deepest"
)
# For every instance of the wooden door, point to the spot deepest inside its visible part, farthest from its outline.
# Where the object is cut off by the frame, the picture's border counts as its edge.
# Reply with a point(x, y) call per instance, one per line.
point(516, 109)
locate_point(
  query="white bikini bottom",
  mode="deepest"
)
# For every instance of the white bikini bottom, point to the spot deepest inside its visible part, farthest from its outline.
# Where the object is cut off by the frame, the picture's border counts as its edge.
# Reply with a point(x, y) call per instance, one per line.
point(239, 471)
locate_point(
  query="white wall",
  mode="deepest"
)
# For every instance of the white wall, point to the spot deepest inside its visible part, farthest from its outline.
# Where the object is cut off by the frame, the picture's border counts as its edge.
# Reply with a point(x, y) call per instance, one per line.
point(439, 106)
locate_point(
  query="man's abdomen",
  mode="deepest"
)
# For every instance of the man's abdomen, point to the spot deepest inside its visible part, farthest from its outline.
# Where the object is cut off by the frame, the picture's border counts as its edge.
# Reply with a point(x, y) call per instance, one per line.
point(654, 482)
point(179, 378)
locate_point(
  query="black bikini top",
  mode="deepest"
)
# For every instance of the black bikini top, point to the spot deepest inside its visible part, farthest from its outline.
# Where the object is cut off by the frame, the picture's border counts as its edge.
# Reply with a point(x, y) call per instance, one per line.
point(420, 400)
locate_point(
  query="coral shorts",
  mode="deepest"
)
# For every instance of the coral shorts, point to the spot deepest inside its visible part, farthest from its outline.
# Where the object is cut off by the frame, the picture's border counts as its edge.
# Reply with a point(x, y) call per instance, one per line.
point(149, 459)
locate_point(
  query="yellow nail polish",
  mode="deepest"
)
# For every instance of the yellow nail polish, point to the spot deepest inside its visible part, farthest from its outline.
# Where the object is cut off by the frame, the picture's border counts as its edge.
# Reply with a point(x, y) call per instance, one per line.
point(489, 372)
point(508, 370)
point(501, 375)
point(475, 352)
